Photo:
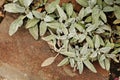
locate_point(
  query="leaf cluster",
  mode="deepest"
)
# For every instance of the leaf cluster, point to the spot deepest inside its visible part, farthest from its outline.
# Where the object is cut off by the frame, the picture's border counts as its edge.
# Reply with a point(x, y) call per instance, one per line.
point(82, 37)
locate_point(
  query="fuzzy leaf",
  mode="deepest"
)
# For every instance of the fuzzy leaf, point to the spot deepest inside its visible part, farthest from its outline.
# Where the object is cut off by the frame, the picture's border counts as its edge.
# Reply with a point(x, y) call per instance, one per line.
point(48, 61)
point(61, 12)
point(103, 16)
point(81, 37)
point(81, 13)
point(101, 61)
point(84, 49)
point(117, 11)
point(69, 54)
point(15, 25)
point(79, 27)
point(110, 2)
point(27, 3)
point(94, 54)
point(92, 3)
point(30, 15)
point(14, 8)
point(48, 18)
point(106, 27)
point(90, 42)
point(38, 15)
point(90, 66)
point(31, 23)
point(105, 49)
point(88, 19)
point(80, 67)
point(91, 28)
point(97, 41)
point(108, 9)
point(83, 3)
point(63, 62)
point(69, 9)
point(107, 64)
point(72, 62)
point(50, 8)
point(49, 38)
point(43, 28)
point(34, 32)
point(54, 25)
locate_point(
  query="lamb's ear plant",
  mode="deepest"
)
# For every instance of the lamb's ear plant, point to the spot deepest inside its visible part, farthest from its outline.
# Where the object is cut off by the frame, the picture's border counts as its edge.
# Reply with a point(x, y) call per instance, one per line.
point(93, 34)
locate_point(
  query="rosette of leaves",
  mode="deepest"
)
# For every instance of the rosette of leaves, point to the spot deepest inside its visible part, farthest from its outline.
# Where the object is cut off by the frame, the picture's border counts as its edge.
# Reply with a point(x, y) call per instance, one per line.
point(30, 14)
point(81, 37)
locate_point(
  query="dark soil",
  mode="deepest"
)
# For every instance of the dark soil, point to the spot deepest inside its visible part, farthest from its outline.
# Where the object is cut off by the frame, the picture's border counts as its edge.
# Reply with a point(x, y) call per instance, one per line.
point(115, 71)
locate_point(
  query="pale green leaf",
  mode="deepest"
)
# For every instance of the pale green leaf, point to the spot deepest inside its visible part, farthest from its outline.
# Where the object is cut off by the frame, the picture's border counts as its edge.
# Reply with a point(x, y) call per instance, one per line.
point(97, 41)
point(49, 38)
point(88, 19)
point(30, 15)
point(80, 67)
point(69, 54)
point(94, 54)
point(48, 18)
point(100, 31)
point(92, 3)
point(34, 32)
point(43, 28)
point(48, 61)
point(116, 51)
point(61, 12)
point(95, 15)
point(79, 27)
point(107, 64)
point(105, 49)
point(106, 27)
point(87, 10)
point(50, 8)
point(15, 25)
point(101, 61)
point(38, 14)
point(90, 41)
point(63, 62)
point(117, 11)
point(90, 28)
point(84, 49)
point(54, 25)
point(83, 3)
point(31, 23)
point(81, 37)
point(14, 8)
point(81, 13)
point(64, 29)
point(102, 42)
point(69, 9)
point(117, 1)
point(103, 16)
point(108, 9)
point(27, 2)
point(72, 62)
point(110, 2)
point(90, 66)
